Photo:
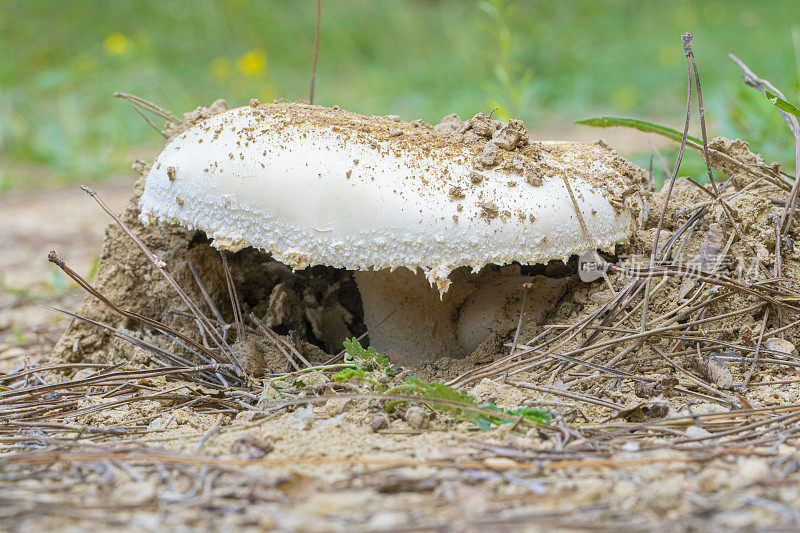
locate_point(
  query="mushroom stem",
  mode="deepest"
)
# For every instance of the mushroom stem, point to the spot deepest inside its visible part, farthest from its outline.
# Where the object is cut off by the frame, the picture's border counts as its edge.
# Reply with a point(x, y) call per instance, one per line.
point(409, 322)
point(496, 304)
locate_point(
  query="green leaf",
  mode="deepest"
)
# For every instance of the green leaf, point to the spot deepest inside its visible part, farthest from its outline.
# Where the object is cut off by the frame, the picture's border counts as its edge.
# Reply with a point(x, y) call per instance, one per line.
point(355, 353)
point(483, 422)
point(531, 413)
point(440, 391)
point(350, 374)
point(528, 413)
point(366, 361)
point(641, 125)
point(782, 104)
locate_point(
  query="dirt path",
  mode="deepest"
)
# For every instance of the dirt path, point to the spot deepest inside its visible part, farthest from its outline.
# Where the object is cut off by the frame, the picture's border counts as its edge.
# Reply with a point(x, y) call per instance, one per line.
point(35, 222)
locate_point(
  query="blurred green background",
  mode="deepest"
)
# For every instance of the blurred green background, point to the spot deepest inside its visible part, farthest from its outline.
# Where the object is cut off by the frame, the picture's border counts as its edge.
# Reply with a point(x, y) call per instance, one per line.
point(548, 62)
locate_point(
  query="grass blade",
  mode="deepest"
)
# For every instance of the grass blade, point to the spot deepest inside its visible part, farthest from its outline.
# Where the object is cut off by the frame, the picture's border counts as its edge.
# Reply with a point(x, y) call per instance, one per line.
point(781, 104)
point(641, 125)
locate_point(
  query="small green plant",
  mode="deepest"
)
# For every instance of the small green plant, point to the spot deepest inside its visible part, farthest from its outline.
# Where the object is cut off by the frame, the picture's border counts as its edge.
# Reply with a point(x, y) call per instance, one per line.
point(355, 353)
point(368, 365)
point(440, 391)
point(365, 363)
point(528, 413)
point(350, 374)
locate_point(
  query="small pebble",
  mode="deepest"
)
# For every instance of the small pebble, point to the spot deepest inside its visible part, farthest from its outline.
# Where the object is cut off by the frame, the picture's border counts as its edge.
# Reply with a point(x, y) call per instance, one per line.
point(779, 345)
point(696, 432)
point(251, 448)
point(379, 421)
point(417, 418)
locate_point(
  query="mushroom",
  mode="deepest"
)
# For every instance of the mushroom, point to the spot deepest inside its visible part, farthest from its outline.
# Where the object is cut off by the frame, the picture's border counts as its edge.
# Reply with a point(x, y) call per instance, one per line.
point(434, 229)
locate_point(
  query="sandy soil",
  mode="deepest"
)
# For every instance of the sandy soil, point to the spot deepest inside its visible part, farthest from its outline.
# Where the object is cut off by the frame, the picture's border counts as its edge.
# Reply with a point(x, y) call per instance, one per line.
point(34, 223)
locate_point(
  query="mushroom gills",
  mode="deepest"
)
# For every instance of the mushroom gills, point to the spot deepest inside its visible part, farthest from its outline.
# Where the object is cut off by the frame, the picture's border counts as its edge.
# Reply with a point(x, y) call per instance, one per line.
point(409, 322)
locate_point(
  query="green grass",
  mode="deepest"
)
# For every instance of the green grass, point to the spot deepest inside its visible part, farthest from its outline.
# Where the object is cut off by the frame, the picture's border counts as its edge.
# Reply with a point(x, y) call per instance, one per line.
point(548, 62)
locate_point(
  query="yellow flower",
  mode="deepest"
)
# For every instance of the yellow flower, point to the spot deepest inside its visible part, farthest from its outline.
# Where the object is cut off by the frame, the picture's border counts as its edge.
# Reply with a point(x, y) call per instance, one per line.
point(115, 44)
point(220, 67)
point(252, 62)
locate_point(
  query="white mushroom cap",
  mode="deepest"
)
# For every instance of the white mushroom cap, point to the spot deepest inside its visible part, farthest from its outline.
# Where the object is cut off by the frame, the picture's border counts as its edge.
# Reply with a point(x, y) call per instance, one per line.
point(314, 185)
